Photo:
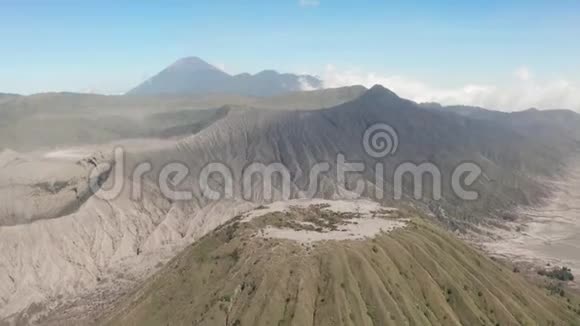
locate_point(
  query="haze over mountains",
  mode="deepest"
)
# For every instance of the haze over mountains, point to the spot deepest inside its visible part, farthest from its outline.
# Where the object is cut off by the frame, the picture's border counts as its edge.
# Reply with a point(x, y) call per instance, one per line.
point(192, 75)
point(58, 240)
point(512, 151)
point(111, 244)
point(50, 120)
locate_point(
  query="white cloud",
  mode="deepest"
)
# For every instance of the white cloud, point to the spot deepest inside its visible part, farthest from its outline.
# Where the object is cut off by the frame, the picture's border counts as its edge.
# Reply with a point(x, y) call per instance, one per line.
point(220, 66)
point(305, 84)
point(520, 93)
point(523, 73)
point(309, 3)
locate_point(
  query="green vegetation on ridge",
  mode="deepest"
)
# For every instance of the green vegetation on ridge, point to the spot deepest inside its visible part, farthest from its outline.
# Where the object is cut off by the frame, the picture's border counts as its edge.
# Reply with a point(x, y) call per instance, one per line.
point(418, 275)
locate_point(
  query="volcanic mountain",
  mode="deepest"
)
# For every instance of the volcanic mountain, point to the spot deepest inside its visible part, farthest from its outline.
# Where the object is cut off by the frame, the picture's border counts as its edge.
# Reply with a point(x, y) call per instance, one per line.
point(192, 75)
point(105, 246)
point(337, 263)
point(510, 155)
point(52, 120)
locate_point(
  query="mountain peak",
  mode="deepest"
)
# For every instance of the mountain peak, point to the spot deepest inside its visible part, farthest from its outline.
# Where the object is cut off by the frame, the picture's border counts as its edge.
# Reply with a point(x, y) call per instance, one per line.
point(380, 90)
point(353, 263)
point(378, 93)
point(192, 64)
point(192, 75)
point(268, 72)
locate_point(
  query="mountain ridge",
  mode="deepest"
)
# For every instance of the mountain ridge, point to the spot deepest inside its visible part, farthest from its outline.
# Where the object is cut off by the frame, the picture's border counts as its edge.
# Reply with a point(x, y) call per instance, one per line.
point(243, 274)
point(512, 155)
point(192, 75)
point(192, 63)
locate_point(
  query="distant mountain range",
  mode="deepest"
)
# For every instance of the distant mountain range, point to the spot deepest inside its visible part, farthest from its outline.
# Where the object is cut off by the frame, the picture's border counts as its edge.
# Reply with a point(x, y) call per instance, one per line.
point(89, 242)
point(67, 119)
point(4, 97)
point(192, 75)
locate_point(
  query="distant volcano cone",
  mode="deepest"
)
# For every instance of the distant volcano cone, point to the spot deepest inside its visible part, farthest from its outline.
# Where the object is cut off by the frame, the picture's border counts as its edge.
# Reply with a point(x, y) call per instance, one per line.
point(192, 75)
point(192, 64)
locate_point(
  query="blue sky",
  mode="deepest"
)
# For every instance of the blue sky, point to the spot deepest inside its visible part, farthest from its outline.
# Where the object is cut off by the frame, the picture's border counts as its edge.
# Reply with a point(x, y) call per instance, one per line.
point(109, 46)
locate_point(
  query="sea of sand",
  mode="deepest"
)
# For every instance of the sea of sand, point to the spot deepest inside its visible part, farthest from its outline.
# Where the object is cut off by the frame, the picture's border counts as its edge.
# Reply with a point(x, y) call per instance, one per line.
point(548, 233)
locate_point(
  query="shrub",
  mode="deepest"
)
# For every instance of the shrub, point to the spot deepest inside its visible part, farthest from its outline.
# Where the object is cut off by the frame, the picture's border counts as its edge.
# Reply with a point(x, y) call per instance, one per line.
point(562, 274)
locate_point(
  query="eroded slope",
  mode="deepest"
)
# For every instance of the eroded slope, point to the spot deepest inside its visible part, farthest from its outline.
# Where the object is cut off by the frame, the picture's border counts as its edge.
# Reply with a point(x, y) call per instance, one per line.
point(411, 275)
